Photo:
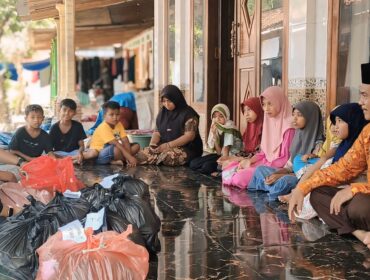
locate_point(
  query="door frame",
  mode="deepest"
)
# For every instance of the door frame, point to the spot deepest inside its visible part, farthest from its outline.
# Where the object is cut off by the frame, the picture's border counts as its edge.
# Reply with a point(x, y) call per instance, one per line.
point(332, 55)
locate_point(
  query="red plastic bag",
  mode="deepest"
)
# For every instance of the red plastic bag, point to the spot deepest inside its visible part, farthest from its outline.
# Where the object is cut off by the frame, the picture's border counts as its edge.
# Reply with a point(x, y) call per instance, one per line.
point(13, 195)
point(106, 256)
point(50, 174)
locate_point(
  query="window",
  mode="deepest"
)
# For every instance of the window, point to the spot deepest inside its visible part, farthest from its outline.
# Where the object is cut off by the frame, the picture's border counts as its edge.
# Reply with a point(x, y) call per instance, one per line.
point(272, 18)
point(178, 43)
point(353, 47)
point(198, 50)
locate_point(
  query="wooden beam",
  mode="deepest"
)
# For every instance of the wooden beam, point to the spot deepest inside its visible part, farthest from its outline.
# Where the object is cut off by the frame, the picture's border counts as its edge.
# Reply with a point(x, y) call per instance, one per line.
point(42, 9)
point(87, 37)
point(83, 5)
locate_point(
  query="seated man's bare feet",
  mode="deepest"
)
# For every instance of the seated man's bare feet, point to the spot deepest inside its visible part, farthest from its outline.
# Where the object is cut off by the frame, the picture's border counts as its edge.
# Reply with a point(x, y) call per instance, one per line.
point(367, 240)
point(117, 162)
point(363, 236)
point(284, 198)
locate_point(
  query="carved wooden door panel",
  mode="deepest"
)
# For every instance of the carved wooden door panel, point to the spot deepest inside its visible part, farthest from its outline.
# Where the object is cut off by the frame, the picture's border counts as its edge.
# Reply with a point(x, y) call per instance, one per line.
point(245, 47)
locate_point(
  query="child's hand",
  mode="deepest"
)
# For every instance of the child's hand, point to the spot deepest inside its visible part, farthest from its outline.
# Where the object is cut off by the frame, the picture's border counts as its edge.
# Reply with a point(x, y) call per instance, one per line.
point(131, 161)
point(269, 180)
point(308, 156)
point(52, 155)
point(244, 164)
point(222, 159)
point(80, 158)
point(214, 129)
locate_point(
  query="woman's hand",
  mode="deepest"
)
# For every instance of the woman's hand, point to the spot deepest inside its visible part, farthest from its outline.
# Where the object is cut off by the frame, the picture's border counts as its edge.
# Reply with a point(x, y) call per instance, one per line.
point(153, 147)
point(162, 148)
point(339, 198)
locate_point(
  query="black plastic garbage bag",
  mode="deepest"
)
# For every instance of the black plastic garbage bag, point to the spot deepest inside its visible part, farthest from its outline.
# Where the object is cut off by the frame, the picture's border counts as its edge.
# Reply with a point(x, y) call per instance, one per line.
point(119, 224)
point(21, 235)
point(96, 196)
point(131, 186)
point(10, 272)
point(139, 213)
point(67, 209)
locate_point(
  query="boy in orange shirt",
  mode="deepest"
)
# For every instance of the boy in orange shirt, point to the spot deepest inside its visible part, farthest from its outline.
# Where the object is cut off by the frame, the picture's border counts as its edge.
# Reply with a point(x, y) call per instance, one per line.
point(110, 140)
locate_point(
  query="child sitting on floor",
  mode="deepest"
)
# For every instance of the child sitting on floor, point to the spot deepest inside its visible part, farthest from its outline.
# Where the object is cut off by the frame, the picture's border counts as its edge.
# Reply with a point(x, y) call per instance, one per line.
point(305, 165)
point(109, 142)
point(67, 135)
point(277, 136)
point(30, 141)
point(308, 137)
point(348, 121)
point(224, 139)
point(253, 113)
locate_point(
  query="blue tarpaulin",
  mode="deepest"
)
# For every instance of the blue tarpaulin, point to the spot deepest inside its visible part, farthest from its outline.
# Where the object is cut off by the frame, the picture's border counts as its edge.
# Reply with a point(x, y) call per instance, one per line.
point(31, 66)
point(36, 65)
point(11, 71)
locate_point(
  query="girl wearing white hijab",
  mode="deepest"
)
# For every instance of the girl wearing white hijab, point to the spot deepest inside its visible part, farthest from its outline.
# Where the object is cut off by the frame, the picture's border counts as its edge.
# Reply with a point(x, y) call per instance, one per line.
point(224, 139)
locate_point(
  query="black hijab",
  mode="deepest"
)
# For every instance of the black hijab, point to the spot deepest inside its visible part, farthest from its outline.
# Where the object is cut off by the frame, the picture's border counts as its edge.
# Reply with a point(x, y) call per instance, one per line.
point(170, 124)
point(353, 115)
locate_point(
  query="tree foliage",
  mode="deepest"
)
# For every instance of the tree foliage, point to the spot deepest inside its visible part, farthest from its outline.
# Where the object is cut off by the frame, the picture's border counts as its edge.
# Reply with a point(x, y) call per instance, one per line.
point(9, 19)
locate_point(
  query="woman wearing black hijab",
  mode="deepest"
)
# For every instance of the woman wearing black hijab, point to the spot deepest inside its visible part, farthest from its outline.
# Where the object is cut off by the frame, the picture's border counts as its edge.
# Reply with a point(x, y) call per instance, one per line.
point(176, 140)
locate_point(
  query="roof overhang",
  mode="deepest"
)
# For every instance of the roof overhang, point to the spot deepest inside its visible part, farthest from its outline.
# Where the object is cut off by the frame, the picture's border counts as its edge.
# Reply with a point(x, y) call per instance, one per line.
point(98, 22)
point(43, 9)
point(40, 39)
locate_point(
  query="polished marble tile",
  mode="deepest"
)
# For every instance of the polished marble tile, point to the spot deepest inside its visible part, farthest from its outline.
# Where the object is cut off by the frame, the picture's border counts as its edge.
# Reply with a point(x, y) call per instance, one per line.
point(210, 232)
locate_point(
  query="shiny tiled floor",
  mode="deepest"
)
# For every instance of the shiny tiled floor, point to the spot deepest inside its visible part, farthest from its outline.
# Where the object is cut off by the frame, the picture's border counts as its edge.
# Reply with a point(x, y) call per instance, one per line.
point(210, 232)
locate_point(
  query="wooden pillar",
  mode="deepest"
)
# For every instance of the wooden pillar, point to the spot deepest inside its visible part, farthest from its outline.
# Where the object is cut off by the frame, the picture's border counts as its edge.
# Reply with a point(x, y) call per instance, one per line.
point(60, 61)
point(66, 44)
point(160, 51)
point(66, 53)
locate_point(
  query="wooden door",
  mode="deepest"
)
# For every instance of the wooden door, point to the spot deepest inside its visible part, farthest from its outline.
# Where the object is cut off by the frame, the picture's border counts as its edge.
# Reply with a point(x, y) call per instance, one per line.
point(246, 54)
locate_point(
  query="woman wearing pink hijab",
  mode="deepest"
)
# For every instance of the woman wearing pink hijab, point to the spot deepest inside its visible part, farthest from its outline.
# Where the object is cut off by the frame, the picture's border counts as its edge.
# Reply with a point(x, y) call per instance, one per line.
point(277, 135)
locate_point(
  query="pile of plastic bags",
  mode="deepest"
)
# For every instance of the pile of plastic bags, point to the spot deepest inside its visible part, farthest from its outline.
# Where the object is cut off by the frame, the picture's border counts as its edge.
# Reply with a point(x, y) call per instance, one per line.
point(120, 228)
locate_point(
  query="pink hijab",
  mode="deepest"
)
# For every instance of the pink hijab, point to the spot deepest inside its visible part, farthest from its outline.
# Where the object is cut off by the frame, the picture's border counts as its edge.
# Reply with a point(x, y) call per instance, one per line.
point(253, 132)
point(274, 128)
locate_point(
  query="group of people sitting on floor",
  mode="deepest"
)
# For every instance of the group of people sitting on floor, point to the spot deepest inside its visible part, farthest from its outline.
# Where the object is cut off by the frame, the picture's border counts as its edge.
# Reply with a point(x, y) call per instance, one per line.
point(283, 150)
